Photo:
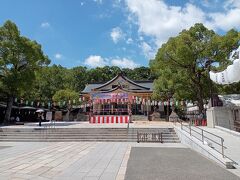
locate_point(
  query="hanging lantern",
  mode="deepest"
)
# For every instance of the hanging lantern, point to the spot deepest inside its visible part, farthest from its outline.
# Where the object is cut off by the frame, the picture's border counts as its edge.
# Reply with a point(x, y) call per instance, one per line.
point(74, 101)
point(27, 102)
point(176, 103)
point(32, 103)
point(15, 100)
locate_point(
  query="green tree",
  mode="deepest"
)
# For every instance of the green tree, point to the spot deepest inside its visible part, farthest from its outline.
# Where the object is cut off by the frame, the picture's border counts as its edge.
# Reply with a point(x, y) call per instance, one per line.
point(77, 78)
point(20, 58)
point(48, 81)
point(182, 64)
point(65, 96)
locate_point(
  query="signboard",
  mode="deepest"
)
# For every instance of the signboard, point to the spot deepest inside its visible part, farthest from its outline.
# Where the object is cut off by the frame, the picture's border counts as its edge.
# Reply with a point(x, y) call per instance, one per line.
point(58, 116)
point(49, 116)
point(149, 137)
point(109, 96)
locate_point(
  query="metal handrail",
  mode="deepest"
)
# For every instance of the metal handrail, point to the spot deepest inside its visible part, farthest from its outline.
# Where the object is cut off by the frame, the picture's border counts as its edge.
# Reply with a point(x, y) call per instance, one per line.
point(203, 137)
point(208, 137)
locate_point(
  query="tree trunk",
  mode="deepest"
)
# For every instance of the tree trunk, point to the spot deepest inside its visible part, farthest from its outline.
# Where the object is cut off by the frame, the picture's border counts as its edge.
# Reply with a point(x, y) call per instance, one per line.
point(200, 98)
point(8, 110)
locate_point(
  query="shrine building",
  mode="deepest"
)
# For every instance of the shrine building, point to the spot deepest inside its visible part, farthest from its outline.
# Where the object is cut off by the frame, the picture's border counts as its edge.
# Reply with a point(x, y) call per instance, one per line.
point(117, 99)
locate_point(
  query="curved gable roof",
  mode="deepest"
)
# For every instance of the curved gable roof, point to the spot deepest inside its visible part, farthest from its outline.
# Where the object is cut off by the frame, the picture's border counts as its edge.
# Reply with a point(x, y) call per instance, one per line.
point(125, 78)
point(121, 88)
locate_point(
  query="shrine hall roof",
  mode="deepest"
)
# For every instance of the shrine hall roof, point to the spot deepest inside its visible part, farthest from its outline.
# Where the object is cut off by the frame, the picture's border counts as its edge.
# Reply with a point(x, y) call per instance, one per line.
point(88, 88)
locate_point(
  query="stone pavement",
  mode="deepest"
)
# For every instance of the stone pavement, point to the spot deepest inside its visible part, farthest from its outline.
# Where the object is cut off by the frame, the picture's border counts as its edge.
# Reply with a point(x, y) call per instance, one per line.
point(67, 160)
point(171, 164)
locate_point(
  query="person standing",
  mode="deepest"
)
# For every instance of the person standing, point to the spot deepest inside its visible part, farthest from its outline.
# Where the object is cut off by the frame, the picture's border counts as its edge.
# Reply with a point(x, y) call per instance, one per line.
point(40, 120)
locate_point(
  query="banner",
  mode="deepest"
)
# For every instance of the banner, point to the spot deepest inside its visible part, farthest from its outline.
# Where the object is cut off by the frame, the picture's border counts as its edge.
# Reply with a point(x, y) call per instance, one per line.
point(112, 96)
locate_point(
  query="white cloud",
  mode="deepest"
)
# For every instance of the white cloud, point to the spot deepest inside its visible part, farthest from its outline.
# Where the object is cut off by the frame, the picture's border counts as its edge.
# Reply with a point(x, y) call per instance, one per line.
point(45, 25)
point(58, 56)
point(82, 3)
point(129, 41)
point(116, 34)
point(158, 20)
point(229, 4)
point(95, 61)
point(98, 61)
point(124, 63)
point(226, 21)
point(148, 51)
point(98, 1)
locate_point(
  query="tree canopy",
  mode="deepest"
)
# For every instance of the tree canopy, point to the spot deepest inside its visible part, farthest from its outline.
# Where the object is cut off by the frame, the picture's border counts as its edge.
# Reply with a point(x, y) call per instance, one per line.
point(20, 58)
point(183, 62)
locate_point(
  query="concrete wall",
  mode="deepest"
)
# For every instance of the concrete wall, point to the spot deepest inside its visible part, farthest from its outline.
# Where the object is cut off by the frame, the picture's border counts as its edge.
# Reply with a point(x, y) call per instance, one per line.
point(220, 116)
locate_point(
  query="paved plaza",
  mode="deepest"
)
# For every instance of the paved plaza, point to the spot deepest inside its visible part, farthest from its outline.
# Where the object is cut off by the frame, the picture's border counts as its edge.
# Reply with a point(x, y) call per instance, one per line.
point(173, 163)
point(66, 160)
point(110, 160)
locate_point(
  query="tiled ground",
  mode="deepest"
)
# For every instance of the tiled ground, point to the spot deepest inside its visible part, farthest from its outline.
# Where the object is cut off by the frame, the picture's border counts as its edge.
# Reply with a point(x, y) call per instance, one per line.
point(66, 160)
point(71, 160)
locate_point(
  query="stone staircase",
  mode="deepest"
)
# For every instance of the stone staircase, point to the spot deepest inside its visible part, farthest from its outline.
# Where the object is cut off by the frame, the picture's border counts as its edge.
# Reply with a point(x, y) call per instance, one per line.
point(82, 134)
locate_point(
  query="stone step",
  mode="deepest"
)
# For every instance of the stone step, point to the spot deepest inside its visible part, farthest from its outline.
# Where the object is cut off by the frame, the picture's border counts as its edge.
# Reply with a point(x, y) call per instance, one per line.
point(80, 140)
point(82, 129)
point(78, 137)
point(83, 134)
point(79, 133)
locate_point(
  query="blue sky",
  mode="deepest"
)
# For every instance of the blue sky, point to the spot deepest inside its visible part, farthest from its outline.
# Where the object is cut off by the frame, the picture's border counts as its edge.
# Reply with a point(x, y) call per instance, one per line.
point(126, 33)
